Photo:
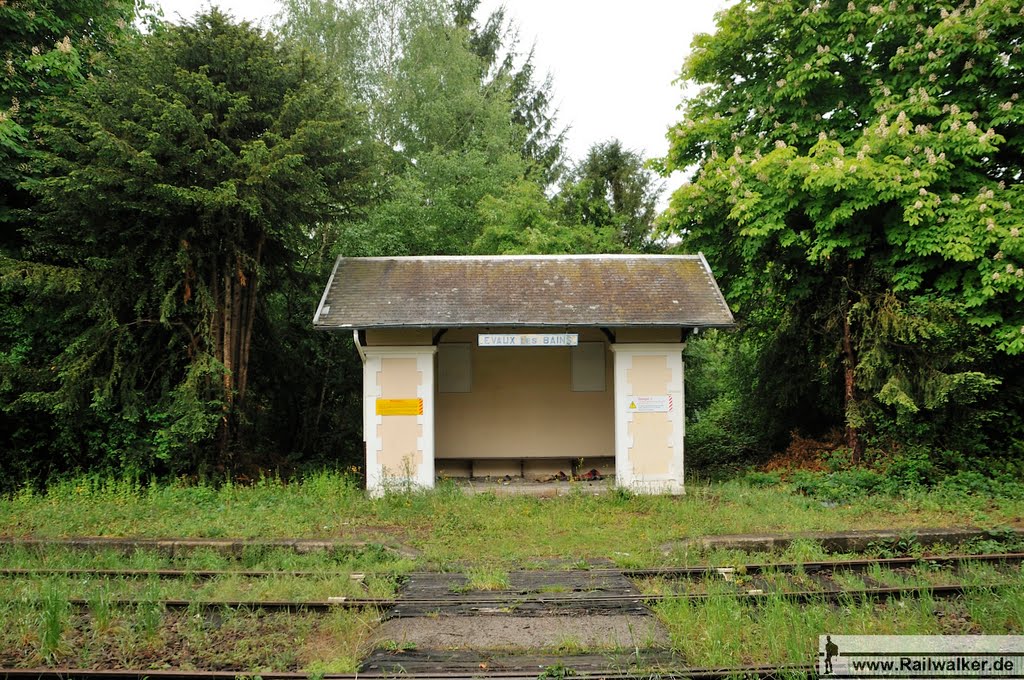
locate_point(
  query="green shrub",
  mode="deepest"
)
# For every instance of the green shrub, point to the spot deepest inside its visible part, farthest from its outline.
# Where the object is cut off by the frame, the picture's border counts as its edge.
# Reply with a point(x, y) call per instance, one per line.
point(762, 479)
point(838, 459)
point(719, 434)
point(838, 486)
point(970, 483)
point(911, 469)
point(967, 483)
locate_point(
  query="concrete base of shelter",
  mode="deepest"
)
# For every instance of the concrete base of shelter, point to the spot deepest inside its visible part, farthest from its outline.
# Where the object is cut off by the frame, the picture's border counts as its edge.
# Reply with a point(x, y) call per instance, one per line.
point(517, 486)
point(529, 469)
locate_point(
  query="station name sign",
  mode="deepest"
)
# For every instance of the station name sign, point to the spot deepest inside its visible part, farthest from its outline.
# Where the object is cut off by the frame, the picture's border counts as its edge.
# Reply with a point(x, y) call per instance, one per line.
point(528, 339)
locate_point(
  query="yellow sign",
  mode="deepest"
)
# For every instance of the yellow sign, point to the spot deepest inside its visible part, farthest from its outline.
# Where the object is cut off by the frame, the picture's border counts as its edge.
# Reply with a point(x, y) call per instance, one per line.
point(399, 407)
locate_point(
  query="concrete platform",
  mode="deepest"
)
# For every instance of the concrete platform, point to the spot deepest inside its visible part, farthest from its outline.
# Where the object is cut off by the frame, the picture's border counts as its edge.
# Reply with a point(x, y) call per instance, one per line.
point(838, 541)
point(523, 632)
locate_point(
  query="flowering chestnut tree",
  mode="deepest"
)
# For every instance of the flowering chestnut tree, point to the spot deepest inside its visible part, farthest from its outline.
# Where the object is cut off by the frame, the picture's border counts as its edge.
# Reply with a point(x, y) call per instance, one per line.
point(857, 173)
point(46, 50)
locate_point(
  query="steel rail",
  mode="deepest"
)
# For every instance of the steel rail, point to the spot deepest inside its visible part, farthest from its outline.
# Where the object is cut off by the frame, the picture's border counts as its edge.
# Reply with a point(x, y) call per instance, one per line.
point(755, 595)
point(765, 671)
point(163, 573)
point(236, 544)
point(823, 565)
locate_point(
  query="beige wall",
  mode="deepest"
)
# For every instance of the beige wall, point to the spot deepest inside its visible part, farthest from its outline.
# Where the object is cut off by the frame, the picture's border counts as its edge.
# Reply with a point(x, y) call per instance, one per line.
point(647, 334)
point(453, 468)
point(399, 448)
point(522, 405)
point(649, 443)
point(398, 337)
point(400, 453)
point(651, 433)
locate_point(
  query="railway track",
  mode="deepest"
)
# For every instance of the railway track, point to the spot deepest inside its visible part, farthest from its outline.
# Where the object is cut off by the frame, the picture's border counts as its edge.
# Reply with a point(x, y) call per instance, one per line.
point(662, 572)
point(589, 590)
point(750, 672)
point(166, 573)
point(597, 591)
point(512, 603)
point(828, 565)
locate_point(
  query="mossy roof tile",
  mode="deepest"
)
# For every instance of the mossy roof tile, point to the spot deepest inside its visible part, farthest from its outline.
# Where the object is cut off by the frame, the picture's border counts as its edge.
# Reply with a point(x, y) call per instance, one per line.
point(522, 290)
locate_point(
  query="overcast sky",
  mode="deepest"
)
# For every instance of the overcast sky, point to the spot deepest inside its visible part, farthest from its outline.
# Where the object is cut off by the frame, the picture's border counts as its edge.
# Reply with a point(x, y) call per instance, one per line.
point(613, 63)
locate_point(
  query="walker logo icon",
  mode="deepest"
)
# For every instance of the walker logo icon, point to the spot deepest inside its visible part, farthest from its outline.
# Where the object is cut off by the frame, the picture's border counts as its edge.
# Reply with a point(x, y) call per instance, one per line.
point(921, 656)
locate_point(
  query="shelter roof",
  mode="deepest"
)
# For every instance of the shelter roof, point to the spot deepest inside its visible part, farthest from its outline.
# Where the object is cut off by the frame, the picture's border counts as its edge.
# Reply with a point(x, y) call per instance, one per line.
point(522, 290)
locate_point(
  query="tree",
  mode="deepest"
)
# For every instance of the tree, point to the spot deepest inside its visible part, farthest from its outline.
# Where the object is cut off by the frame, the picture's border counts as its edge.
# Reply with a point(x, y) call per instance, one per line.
point(47, 50)
point(524, 222)
point(363, 41)
point(611, 189)
point(857, 169)
point(178, 186)
point(369, 41)
point(453, 145)
point(496, 43)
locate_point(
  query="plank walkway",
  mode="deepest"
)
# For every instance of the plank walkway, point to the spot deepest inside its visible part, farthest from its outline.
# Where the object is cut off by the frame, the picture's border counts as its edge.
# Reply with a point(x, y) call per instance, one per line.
point(528, 595)
point(543, 619)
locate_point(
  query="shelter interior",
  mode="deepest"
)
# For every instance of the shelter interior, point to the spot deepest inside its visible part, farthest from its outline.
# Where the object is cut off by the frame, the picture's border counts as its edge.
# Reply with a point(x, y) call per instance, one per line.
point(542, 413)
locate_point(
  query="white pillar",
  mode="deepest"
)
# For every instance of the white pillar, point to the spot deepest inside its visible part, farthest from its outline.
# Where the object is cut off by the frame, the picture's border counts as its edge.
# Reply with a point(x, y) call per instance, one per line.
point(398, 417)
point(649, 417)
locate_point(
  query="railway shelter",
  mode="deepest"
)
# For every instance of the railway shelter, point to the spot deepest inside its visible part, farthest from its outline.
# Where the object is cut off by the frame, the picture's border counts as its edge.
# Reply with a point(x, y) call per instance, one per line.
point(523, 366)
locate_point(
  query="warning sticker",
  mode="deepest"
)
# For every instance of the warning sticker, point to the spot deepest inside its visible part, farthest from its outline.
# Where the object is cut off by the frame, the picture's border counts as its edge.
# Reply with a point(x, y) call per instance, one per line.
point(399, 407)
point(649, 404)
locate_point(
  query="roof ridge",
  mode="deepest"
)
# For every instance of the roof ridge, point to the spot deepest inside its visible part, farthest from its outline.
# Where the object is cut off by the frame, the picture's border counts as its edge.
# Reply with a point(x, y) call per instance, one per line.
point(572, 256)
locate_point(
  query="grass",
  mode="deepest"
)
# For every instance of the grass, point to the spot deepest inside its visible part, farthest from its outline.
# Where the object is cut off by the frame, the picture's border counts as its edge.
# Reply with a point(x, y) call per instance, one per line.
point(552, 589)
point(798, 581)
point(569, 645)
point(486, 578)
point(41, 628)
point(147, 637)
point(450, 528)
point(724, 630)
point(482, 536)
point(727, 631)
point(53, 620)
point(206, 559)
point(101, 610)
point(331, 577)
